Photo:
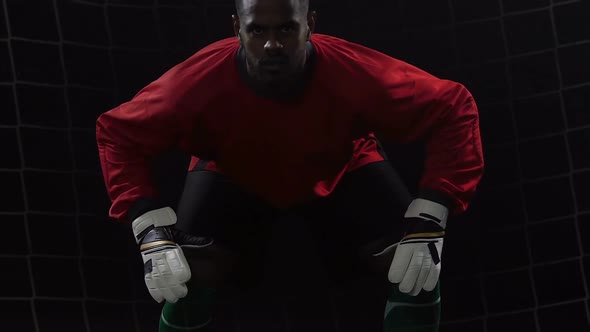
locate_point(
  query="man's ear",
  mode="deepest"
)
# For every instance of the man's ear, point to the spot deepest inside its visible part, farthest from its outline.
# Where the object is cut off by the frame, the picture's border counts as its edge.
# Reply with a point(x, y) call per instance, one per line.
point(236, 25)
point(311, 19)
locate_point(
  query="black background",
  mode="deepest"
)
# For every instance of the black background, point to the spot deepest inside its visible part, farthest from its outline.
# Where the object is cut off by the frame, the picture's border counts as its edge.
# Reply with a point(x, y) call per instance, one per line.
point(516, 261)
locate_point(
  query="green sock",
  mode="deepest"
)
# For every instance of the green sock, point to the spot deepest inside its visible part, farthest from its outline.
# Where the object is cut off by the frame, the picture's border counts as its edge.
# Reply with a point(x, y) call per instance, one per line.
point(406, 313)
point(191, 313)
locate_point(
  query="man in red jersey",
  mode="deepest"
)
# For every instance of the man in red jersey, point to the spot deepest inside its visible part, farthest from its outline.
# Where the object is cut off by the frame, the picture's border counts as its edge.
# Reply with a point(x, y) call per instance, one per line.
point(281, 121)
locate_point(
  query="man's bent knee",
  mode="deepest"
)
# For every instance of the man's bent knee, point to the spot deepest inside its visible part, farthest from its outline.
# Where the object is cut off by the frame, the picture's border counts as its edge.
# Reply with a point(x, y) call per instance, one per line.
point(211, 266)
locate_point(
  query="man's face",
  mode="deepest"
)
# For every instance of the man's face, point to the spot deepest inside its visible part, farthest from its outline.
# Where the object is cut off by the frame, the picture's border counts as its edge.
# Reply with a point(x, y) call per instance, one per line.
point(273, 34)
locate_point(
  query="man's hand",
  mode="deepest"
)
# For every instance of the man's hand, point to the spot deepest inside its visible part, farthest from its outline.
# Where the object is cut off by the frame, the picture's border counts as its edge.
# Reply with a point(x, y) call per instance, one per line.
point(416, 264)
point(166, 269)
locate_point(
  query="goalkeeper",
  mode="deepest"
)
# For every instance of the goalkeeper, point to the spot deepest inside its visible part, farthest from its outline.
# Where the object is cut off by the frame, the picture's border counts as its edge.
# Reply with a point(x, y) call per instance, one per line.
point(280, 120)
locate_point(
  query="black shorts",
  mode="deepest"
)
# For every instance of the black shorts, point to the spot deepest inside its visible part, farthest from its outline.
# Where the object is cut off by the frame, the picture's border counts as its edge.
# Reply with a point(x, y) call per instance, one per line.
point(362, 216)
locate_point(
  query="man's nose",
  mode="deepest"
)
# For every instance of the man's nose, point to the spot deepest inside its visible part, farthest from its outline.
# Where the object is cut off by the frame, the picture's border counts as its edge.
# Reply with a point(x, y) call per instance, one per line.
point(273, 45)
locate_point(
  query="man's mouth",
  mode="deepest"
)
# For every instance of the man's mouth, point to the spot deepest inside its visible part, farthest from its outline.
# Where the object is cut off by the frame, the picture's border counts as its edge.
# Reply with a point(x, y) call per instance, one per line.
point(273, 66)
point(274, 63)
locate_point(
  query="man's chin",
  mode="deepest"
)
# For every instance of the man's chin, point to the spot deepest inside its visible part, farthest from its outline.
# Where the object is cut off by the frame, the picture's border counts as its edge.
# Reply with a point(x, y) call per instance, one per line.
point(273, 79)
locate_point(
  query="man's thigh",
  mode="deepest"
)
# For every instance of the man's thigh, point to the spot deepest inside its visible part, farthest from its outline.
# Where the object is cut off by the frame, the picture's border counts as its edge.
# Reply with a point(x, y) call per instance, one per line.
point(360, 219)
point(240, 224)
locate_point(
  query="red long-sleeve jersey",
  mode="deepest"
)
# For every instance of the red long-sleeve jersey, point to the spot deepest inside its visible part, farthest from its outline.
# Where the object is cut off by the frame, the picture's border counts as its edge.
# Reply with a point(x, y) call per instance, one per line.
point(290, 152)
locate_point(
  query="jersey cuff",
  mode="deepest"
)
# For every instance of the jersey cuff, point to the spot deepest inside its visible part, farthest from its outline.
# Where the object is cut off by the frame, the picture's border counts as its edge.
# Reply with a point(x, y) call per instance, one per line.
point(143, 205)
point(437, 197)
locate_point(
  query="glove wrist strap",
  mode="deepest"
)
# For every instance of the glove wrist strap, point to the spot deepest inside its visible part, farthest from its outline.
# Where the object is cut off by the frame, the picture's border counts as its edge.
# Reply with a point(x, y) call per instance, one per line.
point(155, 218)
point(428, 210)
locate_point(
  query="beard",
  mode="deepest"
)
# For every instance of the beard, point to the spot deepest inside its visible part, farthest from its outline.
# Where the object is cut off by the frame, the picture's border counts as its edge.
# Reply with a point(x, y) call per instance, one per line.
point(279, 70)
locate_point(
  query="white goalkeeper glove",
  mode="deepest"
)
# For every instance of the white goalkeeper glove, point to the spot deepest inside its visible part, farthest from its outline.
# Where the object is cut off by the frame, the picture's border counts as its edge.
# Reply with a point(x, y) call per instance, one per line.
point(416, 264)
point(166, 269)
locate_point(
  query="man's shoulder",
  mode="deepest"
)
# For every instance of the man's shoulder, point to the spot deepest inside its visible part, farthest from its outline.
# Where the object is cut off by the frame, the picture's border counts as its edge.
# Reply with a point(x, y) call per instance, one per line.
point(362, 61)
point(207, 61)
point(221, 45)
point(350, 63)
point(207, 70)
point(215, 53)
point(349, 50)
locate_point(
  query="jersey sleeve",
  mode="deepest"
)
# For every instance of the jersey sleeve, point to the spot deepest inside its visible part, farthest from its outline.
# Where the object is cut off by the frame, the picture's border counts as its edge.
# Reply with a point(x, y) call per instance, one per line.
point(414, 105)
point(131, 135)
point(161, 117)
point(128, 137)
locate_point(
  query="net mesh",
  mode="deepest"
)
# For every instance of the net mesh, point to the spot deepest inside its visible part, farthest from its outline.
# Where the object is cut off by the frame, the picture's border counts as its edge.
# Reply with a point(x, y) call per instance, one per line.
point(518, 262)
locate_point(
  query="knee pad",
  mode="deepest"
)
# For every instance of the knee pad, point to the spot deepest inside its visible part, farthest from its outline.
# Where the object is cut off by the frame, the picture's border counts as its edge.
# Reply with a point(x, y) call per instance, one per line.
point(211, 266)
point(223, 268)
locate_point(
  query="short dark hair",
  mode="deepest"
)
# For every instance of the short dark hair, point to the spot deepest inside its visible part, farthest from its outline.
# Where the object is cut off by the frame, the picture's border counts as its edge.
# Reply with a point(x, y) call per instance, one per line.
point(240, 6)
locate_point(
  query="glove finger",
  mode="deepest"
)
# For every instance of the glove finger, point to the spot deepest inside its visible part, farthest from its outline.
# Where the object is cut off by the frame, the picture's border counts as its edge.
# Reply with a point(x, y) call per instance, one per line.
point(161, 267)
point(399, 265)
point(179, 290)
point(152, 283)
point(412, 272)
point(422, 277)
point(165, 288)
point(172, 257)
point(152, 289)
point(179, 265)
point(164, 279)
point(169, 294)
point(432, 279)
point(156, 294)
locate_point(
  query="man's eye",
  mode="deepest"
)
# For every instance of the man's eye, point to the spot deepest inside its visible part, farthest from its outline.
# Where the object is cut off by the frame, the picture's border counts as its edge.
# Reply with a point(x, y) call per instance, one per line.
point(287, 29)
point(257, 31)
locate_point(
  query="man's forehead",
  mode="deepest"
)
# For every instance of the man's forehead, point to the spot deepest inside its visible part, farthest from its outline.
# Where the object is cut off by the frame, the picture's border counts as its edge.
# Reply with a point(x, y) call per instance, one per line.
point(285, 9)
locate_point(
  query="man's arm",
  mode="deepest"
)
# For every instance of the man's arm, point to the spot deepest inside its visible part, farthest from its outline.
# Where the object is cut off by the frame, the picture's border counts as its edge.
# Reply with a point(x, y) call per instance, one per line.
point(157, 119)
point(128, 138)
point(415, 105)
